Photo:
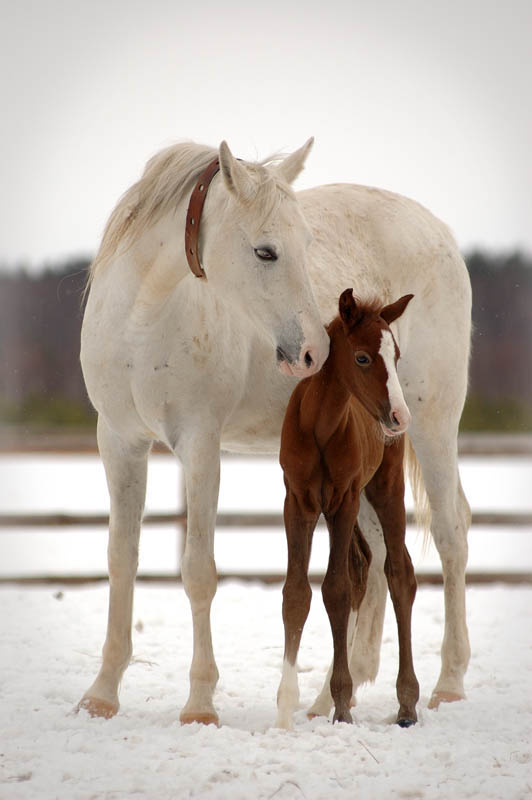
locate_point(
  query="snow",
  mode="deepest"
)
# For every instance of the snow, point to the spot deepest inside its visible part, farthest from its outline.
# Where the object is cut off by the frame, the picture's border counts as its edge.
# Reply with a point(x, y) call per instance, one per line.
point(51, 641)
point(52, 637)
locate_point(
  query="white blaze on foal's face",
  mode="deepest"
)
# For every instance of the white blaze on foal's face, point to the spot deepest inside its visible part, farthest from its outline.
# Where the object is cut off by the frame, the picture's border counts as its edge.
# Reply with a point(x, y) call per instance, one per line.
point(398, 409)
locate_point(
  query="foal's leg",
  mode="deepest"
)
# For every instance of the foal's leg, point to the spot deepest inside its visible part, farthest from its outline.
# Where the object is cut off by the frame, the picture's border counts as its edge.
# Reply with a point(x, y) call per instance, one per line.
point(365, 627)
point(365, 651)
point(386, 493)
point(199, 450)
point(337, 591)
point(297, 595)
point(435, 445)
point(126, 467)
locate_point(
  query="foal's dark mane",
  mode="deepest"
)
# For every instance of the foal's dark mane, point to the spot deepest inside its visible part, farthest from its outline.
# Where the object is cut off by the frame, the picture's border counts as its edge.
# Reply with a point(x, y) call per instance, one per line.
point(371, 306)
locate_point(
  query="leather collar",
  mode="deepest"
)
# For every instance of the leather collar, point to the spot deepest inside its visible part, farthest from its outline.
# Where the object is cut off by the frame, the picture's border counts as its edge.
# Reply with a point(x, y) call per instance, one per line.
point(192, 225)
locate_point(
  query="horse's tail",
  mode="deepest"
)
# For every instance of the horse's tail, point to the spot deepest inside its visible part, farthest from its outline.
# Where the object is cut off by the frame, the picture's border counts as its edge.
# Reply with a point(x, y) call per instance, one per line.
point(422, 513)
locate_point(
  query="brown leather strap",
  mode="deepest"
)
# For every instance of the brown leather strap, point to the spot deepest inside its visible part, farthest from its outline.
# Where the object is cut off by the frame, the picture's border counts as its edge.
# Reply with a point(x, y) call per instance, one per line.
point(192, 225)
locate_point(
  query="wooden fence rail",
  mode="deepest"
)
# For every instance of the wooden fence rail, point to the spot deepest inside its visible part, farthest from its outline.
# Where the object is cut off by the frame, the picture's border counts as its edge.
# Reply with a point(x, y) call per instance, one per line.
point(469, 445)
point(237, 519)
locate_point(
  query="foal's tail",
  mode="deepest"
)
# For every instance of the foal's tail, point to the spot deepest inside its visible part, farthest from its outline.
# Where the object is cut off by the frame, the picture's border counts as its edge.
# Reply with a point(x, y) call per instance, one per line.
point(422, 513)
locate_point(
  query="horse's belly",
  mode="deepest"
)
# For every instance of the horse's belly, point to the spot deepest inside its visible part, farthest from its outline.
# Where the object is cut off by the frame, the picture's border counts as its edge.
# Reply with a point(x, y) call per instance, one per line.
point(255, 425)
point(262, 439)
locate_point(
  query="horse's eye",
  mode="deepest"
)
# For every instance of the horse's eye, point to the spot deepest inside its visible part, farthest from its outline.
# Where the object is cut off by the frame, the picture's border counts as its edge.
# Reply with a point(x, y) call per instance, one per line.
point(265, 254)
point(362, 359)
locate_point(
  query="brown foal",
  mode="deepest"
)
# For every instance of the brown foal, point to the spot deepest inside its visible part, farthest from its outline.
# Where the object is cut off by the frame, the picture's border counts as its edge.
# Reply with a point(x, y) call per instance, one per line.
point(342, 433)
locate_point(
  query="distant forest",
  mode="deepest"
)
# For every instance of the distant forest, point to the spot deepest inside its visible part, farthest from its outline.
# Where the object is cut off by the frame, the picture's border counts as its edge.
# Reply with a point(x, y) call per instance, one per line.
point(40, 319)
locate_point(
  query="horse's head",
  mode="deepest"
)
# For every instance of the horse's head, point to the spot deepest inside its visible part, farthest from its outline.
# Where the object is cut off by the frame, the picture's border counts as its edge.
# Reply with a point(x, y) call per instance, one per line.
point(369, 365)
point(255, 256)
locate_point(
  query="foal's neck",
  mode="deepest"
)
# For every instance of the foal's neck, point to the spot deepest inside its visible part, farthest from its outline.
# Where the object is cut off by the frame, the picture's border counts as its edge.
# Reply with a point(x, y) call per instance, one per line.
point(329, 397)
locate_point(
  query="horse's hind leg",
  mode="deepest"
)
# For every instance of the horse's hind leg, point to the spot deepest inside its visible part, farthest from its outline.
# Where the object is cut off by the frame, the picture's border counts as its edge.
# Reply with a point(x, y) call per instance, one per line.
point(126, 468)
point(199, 450)
point(436, 451)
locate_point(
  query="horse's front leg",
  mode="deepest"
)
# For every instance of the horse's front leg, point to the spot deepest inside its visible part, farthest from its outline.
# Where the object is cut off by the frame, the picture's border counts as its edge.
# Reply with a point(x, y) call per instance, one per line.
point(386, 493)
point(337, 594)
point(297, 594)
point(126, 468)
point(199, 451)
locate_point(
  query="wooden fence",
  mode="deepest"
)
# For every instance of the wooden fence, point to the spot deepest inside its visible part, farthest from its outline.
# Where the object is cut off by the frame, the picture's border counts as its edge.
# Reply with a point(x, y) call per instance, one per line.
point(469, 445)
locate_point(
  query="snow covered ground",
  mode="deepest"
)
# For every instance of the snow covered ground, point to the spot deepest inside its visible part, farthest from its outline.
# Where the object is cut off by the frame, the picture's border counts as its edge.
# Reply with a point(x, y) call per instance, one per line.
point(51, 639)
point(50, 649)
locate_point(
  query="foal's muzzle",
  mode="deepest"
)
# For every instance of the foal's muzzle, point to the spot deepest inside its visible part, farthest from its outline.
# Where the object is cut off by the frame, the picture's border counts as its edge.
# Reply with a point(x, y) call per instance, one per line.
point(396, 422)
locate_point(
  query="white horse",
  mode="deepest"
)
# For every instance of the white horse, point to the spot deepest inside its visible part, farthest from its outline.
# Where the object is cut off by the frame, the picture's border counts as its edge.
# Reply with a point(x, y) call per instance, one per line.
point(208, 363)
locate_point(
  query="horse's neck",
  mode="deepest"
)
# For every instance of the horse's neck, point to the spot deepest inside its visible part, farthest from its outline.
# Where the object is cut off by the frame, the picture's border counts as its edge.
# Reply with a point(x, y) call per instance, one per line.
point(159, 255)
point(143, 274)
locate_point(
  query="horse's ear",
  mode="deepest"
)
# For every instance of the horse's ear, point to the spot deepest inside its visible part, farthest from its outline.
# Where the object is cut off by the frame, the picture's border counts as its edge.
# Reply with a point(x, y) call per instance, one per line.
point(394, 310)
point(349, 311)
point(292, 165)
point(234, 174)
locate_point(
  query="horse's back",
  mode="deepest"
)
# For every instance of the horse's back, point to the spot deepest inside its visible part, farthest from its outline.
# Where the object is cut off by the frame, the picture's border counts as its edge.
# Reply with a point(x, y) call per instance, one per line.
point(366, 211)
point(387, 243)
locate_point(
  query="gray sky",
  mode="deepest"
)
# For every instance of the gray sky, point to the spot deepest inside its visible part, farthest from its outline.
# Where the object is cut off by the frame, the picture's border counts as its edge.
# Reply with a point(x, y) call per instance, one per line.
point(429, 98)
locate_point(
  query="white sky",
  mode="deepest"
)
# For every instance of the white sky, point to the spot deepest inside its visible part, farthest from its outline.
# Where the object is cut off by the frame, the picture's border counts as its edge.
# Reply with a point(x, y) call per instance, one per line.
point(430, 98)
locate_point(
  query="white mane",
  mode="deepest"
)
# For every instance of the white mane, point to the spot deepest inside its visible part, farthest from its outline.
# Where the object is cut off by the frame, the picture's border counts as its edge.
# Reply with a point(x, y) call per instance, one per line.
point(166, 177)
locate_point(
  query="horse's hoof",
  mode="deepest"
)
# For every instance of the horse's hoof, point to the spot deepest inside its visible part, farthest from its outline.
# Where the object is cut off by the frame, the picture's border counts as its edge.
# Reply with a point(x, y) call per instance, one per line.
point(443, 697)
point(205, 718)
point(318, 709)
point(406, 722)
point(96, 707)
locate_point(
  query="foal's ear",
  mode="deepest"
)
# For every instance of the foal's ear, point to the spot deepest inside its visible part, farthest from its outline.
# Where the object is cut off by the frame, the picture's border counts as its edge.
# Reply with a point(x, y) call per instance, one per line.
point(290, 168)
point(394, 310)
point(235, 174)
point(349, 311)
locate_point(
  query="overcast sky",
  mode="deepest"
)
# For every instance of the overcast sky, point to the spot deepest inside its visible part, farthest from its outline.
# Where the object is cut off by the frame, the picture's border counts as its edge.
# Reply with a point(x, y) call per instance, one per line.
point(429, 98)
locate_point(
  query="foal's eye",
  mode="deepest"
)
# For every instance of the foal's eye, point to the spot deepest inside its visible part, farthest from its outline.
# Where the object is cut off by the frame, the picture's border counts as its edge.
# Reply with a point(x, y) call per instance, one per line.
point(265, 254)
point(362, 359)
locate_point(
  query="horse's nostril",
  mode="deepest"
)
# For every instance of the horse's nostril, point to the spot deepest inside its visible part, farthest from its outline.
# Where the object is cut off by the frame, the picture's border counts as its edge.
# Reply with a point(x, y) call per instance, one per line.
point(394, 418)
point(308, 359)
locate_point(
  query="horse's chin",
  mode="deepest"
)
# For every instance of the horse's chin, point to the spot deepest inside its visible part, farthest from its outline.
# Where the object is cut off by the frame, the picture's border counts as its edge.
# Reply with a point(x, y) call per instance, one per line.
point(292, 371)
point(285, 368)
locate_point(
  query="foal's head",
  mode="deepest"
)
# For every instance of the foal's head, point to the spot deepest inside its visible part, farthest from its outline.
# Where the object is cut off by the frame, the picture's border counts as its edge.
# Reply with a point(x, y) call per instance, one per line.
point(369, 363)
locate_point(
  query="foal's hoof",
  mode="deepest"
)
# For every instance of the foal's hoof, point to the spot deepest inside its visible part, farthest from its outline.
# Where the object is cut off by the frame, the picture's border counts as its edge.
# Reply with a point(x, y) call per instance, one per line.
point(96, 707)
point(342, 716)
point(444, 697)
point(205, 718)
point(406, 722)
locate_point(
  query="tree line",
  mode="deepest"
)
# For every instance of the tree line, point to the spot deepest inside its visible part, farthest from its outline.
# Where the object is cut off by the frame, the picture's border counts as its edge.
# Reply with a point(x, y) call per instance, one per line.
point(40, 321)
